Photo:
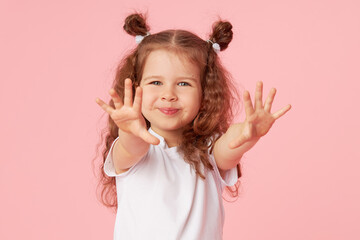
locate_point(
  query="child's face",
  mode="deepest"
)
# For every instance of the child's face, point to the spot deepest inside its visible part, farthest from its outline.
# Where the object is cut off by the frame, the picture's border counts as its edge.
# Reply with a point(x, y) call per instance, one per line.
point(171, 91)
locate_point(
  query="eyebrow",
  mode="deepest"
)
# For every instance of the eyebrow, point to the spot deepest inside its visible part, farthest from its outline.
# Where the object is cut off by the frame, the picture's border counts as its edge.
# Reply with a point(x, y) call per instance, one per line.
point(160, 77)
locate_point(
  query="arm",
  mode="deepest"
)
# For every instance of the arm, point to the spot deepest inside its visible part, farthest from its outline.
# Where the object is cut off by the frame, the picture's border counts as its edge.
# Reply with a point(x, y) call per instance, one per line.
point(127, 151)
point(134, 139)
point(241, 137)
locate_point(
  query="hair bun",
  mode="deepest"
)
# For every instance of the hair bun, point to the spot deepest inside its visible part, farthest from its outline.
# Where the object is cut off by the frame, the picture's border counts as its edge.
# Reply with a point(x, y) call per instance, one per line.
point(135, 24)
point(222, 34)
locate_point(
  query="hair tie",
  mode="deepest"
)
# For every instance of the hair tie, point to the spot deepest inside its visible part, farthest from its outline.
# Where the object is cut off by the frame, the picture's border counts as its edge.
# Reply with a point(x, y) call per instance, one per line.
point(139, 38)
point(215, 46)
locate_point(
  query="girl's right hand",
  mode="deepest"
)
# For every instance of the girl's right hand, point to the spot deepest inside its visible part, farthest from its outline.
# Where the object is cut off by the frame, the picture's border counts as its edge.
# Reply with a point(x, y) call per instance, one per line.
point(127, 116)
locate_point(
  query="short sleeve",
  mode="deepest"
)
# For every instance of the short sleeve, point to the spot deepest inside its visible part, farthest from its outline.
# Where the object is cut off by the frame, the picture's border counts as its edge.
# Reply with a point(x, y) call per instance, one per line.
point(109, 167)
point(230, 177)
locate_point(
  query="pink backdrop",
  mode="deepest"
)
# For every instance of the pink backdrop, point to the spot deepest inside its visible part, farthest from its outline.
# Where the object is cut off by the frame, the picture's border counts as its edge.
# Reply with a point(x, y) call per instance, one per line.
point(299, 182)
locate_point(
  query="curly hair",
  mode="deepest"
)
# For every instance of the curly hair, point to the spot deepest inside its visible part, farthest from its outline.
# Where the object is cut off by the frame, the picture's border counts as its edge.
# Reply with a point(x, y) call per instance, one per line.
point(218, 93)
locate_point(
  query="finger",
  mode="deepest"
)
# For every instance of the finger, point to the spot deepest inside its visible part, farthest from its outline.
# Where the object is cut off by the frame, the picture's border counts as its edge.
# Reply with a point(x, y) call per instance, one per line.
point(117, 100)
point(149, 138)
point(249, 110)
point(269, 100)
point(128, 93)
point(104, 106)
point(258, 95)
point(138, 100)
point(281, 112)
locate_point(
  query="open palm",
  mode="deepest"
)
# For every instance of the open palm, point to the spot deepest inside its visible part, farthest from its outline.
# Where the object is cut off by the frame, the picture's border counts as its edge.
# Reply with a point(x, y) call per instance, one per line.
point(259, 118)
point(127, 116)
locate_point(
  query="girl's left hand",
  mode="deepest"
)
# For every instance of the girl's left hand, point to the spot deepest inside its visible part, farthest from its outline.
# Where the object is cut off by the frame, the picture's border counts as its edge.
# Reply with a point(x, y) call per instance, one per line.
point(258, 119)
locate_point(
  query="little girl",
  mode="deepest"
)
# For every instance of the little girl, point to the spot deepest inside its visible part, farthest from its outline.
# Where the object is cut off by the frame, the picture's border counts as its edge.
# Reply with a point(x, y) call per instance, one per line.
point(171, 148)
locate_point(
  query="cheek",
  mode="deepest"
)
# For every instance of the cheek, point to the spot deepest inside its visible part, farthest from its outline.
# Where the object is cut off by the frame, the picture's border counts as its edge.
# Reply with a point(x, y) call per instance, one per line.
point(145, 108)
point(148, 99)
point(194, 102)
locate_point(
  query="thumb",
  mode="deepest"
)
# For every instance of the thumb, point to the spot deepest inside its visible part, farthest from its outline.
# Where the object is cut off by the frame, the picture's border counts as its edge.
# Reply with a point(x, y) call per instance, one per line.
point(149, 138)
point(245, 136)
point(237, 142)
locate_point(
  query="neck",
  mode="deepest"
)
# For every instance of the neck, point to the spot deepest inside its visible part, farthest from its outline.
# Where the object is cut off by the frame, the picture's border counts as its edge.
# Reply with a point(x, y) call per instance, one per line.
point(172, 137)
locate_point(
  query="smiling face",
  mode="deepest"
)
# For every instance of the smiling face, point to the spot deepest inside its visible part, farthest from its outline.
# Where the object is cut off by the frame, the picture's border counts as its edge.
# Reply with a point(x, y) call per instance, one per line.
point(171, 91)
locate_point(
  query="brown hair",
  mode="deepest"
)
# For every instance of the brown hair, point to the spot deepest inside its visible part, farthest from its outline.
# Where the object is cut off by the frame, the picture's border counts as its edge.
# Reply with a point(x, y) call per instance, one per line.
point(218, 93)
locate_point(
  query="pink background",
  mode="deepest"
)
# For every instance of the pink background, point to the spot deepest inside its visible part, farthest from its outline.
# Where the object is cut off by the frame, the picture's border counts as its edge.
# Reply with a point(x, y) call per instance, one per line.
point(301, 181)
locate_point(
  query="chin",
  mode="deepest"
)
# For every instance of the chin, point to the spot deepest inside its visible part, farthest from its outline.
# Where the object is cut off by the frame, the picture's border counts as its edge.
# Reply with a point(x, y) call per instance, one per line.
point(168, 127)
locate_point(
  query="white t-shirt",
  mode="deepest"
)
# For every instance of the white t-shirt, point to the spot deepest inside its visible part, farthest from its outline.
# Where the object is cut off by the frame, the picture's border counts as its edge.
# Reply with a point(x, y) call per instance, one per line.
point(162, 198)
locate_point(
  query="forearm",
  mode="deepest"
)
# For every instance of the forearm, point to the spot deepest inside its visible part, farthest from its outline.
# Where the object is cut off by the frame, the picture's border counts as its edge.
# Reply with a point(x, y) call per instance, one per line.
point(128, 150)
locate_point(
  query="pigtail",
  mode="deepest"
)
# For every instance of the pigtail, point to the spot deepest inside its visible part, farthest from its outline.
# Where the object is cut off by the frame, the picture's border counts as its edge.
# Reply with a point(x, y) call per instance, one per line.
point(135, 24)
point(221, 94)
point(218, 96)
point(222, 34)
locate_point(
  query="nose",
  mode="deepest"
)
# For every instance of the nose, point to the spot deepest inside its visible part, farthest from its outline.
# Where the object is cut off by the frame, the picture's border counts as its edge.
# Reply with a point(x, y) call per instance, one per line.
point(169, 95)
